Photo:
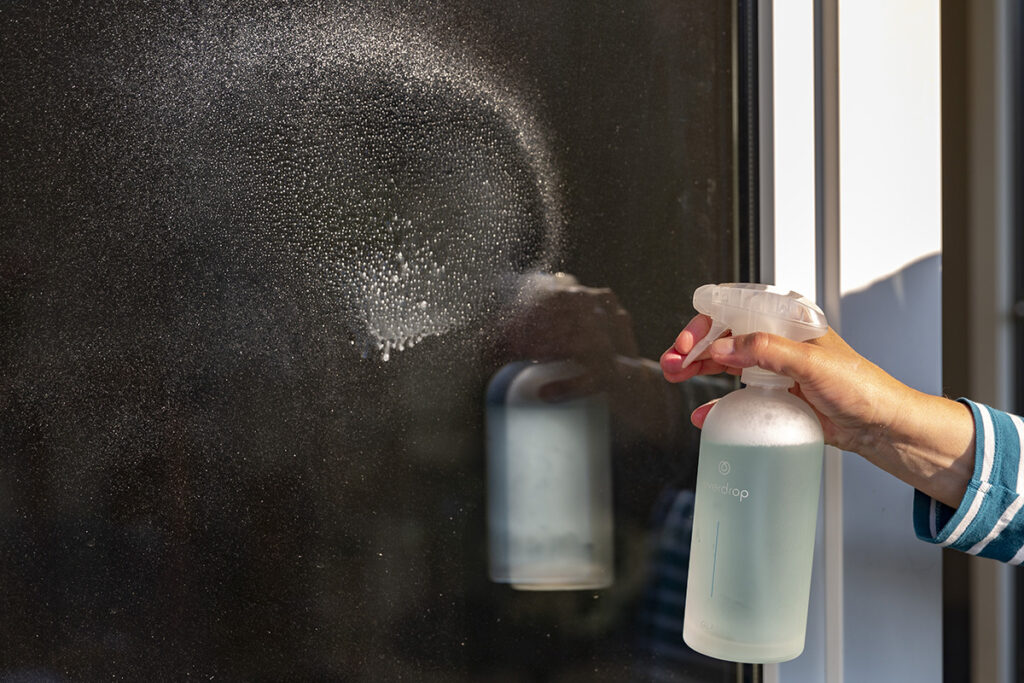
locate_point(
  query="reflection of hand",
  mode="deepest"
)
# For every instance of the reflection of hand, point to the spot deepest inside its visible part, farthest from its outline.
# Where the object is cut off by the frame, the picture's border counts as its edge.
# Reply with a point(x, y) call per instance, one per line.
point(590, 326)
point(584, 323)
point(928, 441)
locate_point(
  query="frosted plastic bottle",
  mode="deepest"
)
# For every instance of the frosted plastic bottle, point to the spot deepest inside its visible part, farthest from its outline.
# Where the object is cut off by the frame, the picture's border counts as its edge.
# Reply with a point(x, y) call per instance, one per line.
point(758, 480)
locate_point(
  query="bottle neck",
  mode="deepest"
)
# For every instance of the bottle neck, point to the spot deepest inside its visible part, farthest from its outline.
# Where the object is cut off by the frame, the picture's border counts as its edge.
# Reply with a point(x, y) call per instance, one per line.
point(757, 377)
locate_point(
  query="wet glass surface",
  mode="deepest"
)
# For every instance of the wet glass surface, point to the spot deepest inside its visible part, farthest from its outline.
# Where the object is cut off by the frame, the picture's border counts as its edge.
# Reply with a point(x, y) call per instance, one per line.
point(258, 266)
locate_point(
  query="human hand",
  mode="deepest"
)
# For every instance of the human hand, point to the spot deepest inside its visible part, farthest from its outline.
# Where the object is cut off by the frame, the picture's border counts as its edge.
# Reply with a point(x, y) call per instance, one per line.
point(925, 440)
point(854, 399)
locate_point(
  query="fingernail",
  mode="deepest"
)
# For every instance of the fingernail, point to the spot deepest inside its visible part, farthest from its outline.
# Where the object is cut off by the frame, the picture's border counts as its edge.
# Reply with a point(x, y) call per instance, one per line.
point(723, 346)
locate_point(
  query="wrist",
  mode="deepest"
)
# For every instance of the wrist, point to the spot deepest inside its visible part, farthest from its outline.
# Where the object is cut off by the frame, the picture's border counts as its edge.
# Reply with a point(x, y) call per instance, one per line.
point(930, 445)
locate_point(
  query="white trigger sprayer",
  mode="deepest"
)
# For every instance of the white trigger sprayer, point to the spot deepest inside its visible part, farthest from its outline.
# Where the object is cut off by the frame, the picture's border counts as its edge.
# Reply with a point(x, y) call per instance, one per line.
point(758, 479)
point(745, 308)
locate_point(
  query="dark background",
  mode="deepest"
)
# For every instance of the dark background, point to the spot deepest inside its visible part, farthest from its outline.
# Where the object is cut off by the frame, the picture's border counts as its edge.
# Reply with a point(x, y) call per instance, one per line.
point(206, 468)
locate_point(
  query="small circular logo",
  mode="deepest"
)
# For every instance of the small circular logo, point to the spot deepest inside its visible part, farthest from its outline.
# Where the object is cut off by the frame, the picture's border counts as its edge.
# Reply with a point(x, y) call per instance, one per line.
point(724, 467)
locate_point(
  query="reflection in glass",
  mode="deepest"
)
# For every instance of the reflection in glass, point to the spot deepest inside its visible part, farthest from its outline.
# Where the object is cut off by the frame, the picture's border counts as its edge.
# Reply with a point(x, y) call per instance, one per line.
point(210, 210)
point(548, 482)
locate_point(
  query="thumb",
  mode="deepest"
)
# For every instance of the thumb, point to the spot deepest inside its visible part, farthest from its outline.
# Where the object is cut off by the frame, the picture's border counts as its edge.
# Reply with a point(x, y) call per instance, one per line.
point(767, 351)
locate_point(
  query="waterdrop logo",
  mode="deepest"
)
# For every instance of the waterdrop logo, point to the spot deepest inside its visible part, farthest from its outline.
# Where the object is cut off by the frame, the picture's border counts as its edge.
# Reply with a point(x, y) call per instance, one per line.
point(724, 468)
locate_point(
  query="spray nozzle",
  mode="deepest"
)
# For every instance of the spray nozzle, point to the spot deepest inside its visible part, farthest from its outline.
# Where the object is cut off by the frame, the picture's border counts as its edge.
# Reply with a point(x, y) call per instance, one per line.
point(747, 307)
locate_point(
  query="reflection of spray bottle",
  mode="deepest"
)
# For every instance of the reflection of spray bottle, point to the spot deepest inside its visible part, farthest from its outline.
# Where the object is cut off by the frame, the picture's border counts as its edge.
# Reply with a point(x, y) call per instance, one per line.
point(549, 500)
point(758, 479)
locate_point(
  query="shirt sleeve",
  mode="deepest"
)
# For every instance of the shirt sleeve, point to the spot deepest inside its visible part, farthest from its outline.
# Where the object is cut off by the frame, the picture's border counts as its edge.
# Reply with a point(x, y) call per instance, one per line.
point(987, 522)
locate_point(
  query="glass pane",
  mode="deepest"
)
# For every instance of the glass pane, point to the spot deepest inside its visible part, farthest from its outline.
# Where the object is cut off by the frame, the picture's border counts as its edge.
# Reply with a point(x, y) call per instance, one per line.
point(290, 389)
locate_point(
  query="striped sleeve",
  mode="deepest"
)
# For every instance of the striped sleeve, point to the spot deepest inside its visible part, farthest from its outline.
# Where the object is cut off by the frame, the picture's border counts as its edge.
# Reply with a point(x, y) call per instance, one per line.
point(988, 521)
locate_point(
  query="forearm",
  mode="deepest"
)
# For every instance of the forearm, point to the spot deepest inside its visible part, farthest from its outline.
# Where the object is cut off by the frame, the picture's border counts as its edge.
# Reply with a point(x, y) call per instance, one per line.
point(929, 445)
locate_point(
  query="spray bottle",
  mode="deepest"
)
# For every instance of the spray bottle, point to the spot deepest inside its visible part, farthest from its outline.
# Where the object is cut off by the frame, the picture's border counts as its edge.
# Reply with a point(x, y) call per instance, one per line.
point(758, 479)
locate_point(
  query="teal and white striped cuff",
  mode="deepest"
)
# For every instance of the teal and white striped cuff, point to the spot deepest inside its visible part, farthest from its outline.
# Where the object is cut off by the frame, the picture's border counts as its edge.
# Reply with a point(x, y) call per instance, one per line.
point(987, 522)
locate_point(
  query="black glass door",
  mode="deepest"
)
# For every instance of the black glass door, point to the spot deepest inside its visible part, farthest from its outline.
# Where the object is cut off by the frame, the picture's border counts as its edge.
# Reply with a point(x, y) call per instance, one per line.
point(262, 268)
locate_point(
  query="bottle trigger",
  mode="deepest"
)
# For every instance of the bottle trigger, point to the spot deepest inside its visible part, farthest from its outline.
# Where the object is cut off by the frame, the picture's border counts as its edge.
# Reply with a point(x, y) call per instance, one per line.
point(716, 331)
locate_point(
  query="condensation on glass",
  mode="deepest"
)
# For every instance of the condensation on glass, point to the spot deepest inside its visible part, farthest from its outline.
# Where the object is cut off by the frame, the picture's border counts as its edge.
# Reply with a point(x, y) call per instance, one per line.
point(259, 263)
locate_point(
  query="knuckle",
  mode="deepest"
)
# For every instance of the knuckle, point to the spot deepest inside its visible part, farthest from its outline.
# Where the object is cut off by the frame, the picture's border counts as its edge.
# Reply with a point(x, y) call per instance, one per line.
point(758, 343)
